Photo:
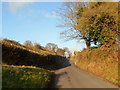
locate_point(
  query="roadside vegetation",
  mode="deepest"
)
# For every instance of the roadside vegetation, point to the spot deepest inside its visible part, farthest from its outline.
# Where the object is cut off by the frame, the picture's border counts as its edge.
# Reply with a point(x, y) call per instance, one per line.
point(25, 77)
point(14, 53)
point(28, 65)
point(100, 61)
point(97, 24)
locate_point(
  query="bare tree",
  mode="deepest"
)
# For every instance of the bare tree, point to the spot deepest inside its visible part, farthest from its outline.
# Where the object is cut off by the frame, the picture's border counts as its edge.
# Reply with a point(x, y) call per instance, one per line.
point(28, 43)
point(71, 13)
point(52, 46)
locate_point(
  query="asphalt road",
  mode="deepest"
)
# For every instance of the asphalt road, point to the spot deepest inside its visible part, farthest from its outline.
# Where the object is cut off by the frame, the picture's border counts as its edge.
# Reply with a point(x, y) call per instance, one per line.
point(73, 77)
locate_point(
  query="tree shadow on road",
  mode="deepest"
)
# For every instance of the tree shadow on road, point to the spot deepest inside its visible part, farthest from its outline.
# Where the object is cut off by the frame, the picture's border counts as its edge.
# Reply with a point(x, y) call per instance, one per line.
point(56, 76)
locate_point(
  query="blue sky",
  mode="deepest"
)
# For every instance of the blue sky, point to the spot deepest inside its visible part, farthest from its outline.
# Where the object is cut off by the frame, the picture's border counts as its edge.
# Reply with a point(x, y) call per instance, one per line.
point(36, 22)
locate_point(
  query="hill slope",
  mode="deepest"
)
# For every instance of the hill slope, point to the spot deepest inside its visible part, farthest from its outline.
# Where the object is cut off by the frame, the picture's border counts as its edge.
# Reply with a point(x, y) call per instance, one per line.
point(25, 67)
point(14, 53)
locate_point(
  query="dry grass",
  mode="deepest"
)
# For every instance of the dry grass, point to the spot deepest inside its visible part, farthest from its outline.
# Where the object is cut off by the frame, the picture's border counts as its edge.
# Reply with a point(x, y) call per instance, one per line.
point(43, 51)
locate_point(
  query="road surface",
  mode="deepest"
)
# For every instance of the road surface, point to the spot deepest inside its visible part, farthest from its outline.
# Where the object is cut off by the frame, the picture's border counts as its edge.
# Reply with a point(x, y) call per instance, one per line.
point(73, 77)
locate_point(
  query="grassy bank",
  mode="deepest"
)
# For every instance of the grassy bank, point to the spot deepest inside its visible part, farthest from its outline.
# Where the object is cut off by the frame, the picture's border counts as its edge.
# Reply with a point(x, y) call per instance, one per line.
point(100, 61)
point(25, 77)
point(27, 67)
point(14, 53)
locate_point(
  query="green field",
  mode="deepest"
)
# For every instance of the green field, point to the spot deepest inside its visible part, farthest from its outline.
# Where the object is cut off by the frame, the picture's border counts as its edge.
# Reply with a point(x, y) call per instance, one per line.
point(25, 77)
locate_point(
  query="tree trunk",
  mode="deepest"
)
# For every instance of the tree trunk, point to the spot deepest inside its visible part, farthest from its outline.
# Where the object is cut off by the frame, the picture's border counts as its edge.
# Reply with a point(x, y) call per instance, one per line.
point(87, 43)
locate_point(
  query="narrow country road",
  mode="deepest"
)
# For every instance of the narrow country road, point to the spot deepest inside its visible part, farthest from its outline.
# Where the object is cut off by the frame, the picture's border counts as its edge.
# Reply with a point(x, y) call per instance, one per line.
point(72, 77)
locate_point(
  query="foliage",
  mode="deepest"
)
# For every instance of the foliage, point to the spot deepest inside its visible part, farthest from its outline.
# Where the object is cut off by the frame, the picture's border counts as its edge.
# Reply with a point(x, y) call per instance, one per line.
point(25, 77)
point(76, 52)
point(94, 21)
point(101, 23)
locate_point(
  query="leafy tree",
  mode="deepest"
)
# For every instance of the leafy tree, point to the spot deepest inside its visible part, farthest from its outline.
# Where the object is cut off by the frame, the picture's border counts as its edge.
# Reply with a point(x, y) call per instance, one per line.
point(102, 22)
point(94, 22)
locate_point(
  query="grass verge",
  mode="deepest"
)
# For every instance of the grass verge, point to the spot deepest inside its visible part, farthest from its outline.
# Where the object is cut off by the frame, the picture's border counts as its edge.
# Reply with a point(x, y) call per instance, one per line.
point(25, 77)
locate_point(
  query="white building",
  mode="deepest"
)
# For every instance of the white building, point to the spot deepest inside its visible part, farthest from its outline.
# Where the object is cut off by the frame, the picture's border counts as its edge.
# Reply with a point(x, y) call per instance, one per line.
point(66, 54)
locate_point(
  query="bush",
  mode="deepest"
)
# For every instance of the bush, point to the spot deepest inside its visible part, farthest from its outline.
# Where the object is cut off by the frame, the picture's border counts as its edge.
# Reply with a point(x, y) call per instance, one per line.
point(37, 46)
